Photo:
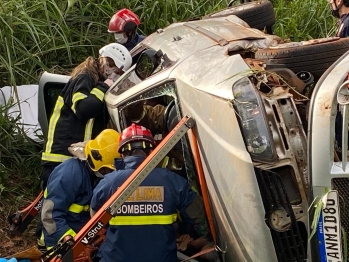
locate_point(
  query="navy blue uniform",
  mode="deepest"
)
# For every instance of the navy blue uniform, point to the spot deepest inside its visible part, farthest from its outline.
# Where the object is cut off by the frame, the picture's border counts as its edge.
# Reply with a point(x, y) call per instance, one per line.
point(134, 41)
point(67, 198)
point(130, 45)
point(143, 229)
point(343, 30)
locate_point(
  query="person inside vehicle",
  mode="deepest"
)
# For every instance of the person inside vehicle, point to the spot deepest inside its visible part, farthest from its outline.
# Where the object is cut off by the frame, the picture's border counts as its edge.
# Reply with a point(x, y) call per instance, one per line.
point(340, 10)
point(146, 220)
point(152, 118)
point(123, 25)
point(65, 209)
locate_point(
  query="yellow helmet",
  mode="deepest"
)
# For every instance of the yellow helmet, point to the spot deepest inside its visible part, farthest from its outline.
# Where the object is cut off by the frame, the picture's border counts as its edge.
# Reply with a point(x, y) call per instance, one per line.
point(101, 151)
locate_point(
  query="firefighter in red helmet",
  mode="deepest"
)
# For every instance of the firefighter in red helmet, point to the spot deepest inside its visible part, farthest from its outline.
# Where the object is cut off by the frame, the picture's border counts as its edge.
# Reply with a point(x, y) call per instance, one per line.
point(123, 25)
point(145, 222)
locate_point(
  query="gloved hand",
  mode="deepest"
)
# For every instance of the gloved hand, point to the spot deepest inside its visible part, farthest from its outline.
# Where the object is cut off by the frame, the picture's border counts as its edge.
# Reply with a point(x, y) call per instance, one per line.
point(78, 150)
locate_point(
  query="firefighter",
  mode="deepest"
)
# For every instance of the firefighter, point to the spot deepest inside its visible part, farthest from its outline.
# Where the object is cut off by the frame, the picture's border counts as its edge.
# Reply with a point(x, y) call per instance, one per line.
point(340, 10)
point(80, 113)
point(144, 229)
point(69, 190)
point(123, 25)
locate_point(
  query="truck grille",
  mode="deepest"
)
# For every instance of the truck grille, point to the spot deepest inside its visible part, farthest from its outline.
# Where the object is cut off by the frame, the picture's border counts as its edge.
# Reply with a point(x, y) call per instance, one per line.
point(289, 245)
point(342, 185)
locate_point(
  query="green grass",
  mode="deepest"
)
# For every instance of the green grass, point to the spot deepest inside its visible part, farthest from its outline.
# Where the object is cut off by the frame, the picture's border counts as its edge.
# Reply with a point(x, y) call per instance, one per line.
point(299, 20)
point(54, 34)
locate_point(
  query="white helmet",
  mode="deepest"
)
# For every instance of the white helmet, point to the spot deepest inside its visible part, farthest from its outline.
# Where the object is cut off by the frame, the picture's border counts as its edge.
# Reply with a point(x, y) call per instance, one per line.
point(120, 55)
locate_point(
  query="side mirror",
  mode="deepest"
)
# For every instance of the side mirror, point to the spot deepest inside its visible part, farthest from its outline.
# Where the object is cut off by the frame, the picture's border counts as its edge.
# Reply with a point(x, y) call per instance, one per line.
point(147, 63)
point(343, 94)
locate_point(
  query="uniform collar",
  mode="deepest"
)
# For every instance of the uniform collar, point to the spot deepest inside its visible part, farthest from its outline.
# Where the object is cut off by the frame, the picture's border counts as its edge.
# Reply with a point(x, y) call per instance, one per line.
point(132, 162)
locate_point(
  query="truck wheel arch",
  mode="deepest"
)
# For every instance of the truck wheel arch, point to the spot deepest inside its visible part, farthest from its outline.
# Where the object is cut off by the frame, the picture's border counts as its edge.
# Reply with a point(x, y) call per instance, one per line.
point(315, 57)
point(257, 14)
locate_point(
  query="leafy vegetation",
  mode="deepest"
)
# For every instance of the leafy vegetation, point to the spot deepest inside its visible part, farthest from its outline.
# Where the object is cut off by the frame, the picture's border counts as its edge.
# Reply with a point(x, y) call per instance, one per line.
point(303, 19)
point(19, 155)
point(56, 34)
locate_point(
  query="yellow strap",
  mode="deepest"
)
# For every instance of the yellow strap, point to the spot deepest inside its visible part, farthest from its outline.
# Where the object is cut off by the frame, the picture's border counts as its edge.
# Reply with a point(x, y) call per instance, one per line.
point(143, 220)
point(53, 122)
point(97, 93)
point(76, 97)
point(76, 208)
point(54, 157)
point(45, 193)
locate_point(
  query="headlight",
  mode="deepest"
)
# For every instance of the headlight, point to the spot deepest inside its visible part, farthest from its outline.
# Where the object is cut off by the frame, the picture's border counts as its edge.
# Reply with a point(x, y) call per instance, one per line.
point(254, 126)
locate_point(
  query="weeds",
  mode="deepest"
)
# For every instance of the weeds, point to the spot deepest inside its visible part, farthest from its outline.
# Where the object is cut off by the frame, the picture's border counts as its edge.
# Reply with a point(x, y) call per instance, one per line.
point(19, 156)
point(300, 20)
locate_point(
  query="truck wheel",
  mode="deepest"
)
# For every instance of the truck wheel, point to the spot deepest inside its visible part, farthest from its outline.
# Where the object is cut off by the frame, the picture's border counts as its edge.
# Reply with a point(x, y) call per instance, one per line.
point(314, 56)
point(257, 14)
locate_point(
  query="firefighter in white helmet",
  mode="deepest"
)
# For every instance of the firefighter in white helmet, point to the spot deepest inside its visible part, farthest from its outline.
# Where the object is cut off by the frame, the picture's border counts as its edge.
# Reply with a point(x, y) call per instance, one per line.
point(80, 113)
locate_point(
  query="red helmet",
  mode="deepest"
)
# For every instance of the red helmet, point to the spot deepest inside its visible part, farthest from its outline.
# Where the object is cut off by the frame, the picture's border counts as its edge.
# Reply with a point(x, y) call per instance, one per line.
point(135, 137)
point(123, 21)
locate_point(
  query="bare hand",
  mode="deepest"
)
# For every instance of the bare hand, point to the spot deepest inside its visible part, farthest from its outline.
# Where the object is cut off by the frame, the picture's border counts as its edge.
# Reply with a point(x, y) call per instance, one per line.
point(109, 82)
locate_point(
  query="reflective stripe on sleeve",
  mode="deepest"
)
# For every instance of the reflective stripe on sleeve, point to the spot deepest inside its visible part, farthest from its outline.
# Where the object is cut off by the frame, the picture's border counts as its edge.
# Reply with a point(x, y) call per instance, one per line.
point(76, 97)
point(88, 129)
point(143, 220)
point(53, 122)
point(70, 232)
point(76, 208)
point(54, 157)
point(97, 93)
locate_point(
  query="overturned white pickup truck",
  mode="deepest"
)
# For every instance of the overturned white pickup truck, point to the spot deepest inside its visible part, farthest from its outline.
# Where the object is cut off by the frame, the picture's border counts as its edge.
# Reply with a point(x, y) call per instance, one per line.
point(261, 170)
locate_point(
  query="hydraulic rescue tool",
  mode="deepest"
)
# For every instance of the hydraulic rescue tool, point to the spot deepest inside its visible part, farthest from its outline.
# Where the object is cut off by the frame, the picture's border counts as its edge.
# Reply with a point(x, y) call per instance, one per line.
point(20, 220)
point(79, 247)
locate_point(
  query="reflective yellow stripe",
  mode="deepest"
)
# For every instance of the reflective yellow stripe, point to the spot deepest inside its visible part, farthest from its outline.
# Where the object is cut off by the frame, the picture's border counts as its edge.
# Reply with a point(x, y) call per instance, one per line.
point(53, 122)
point(97, 93)
point(54, 157)
point(165, 162)
point(76, 208)
point(45, 193)
point(76, 97)
point(41, 240)
point(69, 232)
point(143, 220)
point(88, 129)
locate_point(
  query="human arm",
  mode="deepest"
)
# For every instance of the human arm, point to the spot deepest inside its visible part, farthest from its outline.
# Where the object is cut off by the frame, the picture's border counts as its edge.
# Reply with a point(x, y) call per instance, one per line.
point(151, 117)
point(101, 194)
point(87, 97)
point(189, 203)
point(60, 193)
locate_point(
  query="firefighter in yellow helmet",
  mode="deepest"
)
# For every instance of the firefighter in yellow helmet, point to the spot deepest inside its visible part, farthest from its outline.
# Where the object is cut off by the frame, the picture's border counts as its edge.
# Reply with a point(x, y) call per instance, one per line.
point(69, 189)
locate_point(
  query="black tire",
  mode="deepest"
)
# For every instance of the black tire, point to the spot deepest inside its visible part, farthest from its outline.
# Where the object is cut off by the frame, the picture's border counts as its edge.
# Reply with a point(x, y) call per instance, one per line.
point(314, 58)
point(257, 14)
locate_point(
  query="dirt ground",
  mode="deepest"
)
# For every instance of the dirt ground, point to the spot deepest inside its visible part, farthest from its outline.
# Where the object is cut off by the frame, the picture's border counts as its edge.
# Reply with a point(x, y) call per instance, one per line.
point(11, 245)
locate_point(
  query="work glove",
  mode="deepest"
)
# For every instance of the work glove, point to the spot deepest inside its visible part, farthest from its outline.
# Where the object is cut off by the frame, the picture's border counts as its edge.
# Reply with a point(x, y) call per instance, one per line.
point(78, 150)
